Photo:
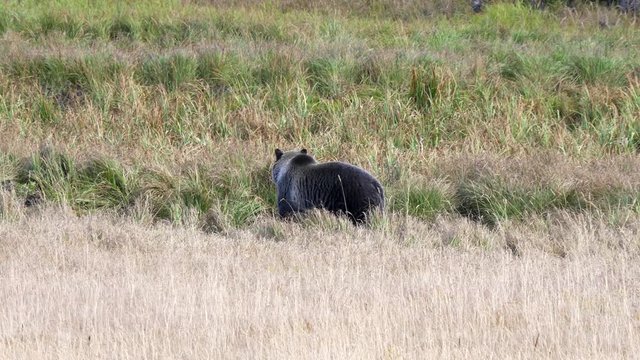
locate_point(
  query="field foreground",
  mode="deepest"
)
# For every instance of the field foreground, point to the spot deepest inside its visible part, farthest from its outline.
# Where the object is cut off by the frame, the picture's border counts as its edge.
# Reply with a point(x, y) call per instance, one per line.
point(106, 287)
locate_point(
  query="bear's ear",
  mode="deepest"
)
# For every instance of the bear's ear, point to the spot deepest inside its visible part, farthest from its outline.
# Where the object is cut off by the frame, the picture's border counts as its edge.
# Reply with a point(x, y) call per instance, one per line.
point(304, 151)
point(278, 154)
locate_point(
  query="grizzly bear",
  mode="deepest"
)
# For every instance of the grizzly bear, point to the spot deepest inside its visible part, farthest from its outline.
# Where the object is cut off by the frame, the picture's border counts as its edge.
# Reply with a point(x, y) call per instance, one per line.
point(302, 184)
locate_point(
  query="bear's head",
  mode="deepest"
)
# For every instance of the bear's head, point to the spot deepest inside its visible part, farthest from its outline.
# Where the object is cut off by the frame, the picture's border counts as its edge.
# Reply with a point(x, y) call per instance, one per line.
point(284, 160)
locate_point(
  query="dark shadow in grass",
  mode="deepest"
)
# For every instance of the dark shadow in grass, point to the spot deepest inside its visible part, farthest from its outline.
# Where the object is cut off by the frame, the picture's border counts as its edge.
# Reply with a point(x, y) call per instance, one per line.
point(47, 175)
point(121, 28)
point(103, 184)
point(4, 22)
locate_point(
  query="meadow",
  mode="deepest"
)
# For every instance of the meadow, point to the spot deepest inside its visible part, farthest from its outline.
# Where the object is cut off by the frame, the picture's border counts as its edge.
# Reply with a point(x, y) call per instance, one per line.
point(137, 214)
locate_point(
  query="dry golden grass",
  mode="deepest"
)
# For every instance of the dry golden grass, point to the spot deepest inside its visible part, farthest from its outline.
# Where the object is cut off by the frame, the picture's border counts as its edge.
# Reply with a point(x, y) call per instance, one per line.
point(105, 287)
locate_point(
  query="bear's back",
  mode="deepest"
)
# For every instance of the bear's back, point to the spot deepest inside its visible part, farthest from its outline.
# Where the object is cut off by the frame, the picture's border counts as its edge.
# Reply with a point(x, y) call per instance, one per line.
point(338, 186)
point(303, 183)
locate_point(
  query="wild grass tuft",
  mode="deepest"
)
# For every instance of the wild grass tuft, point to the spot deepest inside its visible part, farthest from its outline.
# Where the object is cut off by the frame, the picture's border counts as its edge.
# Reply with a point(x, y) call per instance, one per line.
point(423, 88)
point(104, 184)
point(171, 71)
point(591, 69)
point(9, 169)
point(10, 204)
point(46, 111)
point(511, 65)
point(323, 76)
point(4, 21)
point(51, 174)
point(66, 25)
point(219, 70)
point(64, 83)
point(423, 202)
point(274, 69)
point(325, 220)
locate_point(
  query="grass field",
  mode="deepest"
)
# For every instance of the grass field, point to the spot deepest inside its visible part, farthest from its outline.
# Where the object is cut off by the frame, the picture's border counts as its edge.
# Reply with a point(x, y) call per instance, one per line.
point(95, 287)
point(137, 210)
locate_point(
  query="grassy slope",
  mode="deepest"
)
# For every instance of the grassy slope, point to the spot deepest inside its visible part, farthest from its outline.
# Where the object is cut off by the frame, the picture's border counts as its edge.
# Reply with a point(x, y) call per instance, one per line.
point(178, 107)
point(121, 116)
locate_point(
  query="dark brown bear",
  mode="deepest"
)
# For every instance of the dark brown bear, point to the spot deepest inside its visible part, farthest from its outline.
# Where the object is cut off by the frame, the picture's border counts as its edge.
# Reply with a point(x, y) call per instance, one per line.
point(341, 188)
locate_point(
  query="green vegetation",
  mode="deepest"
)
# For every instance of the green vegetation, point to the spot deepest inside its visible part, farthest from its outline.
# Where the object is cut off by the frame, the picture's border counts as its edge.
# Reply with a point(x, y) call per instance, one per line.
point(173, 110)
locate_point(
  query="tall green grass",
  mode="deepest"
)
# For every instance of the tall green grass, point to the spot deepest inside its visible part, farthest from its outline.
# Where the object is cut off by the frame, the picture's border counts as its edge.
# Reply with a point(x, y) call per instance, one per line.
point(150, 83)
point(218, 200)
